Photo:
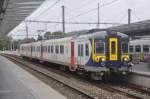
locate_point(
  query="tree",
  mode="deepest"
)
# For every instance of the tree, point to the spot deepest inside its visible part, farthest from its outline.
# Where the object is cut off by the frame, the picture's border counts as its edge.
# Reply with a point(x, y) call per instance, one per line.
point(58, 33)
point(15, 44)
point(47, 35)
point(5, 42)
point(39, 38)
point(51, 35)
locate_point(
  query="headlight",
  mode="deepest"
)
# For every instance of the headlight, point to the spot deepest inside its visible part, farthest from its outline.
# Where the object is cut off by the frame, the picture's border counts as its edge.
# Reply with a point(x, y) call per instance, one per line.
point(124, 73)
point(103, 59)
point(125, 59)
point(102, 73)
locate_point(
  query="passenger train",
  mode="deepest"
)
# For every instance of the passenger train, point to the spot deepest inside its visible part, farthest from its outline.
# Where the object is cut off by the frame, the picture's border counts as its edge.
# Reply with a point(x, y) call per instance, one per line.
point(96, 54)
point(140, 47)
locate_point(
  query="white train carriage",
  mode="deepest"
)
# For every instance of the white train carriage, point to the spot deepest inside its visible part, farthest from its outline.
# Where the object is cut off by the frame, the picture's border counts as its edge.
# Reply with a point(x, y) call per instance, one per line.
point(36, 50)
point(25, 50)
point(96, 53)
point(141, 48)
point(57, 51)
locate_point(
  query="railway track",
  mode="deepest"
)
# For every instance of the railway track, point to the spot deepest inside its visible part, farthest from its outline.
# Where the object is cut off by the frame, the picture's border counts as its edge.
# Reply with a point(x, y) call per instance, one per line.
point(91, 90)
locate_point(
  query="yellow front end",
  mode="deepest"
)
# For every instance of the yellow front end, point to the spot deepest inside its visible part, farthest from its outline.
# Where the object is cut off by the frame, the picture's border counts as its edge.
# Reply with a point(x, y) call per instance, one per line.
point(97, 57)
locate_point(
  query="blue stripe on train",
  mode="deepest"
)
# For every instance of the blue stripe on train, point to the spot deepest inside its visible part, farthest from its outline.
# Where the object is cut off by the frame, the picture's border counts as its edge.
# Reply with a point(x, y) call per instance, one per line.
point(108, 63)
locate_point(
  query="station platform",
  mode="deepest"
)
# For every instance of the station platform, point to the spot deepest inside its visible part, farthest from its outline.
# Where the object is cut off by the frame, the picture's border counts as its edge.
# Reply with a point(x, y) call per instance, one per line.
point(16, 83)
point(11, 52)
point(141, 68)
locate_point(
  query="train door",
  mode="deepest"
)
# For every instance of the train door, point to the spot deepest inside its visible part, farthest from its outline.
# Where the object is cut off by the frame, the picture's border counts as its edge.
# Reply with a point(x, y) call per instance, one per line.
point(113, 49)
point(31, 50)
point(41, 52)
point(78, 53)
point(86, 50)
point(81, 57)
point(72, 58)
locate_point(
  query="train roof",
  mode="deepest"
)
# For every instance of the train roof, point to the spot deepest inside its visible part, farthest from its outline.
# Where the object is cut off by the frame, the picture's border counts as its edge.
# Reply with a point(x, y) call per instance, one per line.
point(103, 34)
point(28, 44)
point(140, 42)
point(59, 40)
point(99, 35)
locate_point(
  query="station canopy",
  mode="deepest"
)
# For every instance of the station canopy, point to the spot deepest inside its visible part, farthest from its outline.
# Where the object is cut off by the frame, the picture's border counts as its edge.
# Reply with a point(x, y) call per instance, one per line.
point(13, 12)
point(138, 28)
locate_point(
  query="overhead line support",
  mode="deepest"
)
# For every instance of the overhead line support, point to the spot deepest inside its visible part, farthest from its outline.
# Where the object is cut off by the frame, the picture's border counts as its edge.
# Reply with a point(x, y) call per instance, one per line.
point(129, 16)
point(98, 17)
point(63, 19)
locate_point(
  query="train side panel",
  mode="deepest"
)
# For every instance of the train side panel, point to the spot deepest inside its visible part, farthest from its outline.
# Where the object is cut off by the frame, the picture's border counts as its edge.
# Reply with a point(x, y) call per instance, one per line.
point(57, 51)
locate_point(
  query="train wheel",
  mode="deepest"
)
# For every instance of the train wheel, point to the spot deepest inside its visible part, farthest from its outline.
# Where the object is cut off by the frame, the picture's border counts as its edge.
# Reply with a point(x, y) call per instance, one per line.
point(63, 68)
point(96, 76)
point(41, 61)
point(106, 77)
point(72, 68)
point(80, 72)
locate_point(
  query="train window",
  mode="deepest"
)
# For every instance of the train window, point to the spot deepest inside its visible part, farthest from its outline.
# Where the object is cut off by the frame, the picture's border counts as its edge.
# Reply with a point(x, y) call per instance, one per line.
point(125, 47)
point(131, 49)
point(87, 49)
point(46, 48)
point(38, 49)
point(57, 49)
point(99, 48)
point(145, 48)
point(32, 49)
point(113, 47)
point(49, 47)
point(81, 49)
point(43, 48)
point(22, 48)
point(61, 49)
point(137, 48)
point(52, 49)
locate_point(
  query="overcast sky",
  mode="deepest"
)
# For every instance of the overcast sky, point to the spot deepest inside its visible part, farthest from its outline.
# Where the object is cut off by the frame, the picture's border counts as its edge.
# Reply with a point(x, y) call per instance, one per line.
point(111, 11)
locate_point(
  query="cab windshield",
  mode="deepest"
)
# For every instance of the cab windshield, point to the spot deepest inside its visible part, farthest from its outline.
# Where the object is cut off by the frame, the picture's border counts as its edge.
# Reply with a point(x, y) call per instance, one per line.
point(99, 47)
point(125, 47)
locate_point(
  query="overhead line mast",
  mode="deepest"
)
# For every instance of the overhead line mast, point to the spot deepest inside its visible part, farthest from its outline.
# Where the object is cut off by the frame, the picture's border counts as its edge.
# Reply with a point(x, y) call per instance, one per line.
point(98, 17)
point(63, 18)
point(27, 33)
point(129, 16)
